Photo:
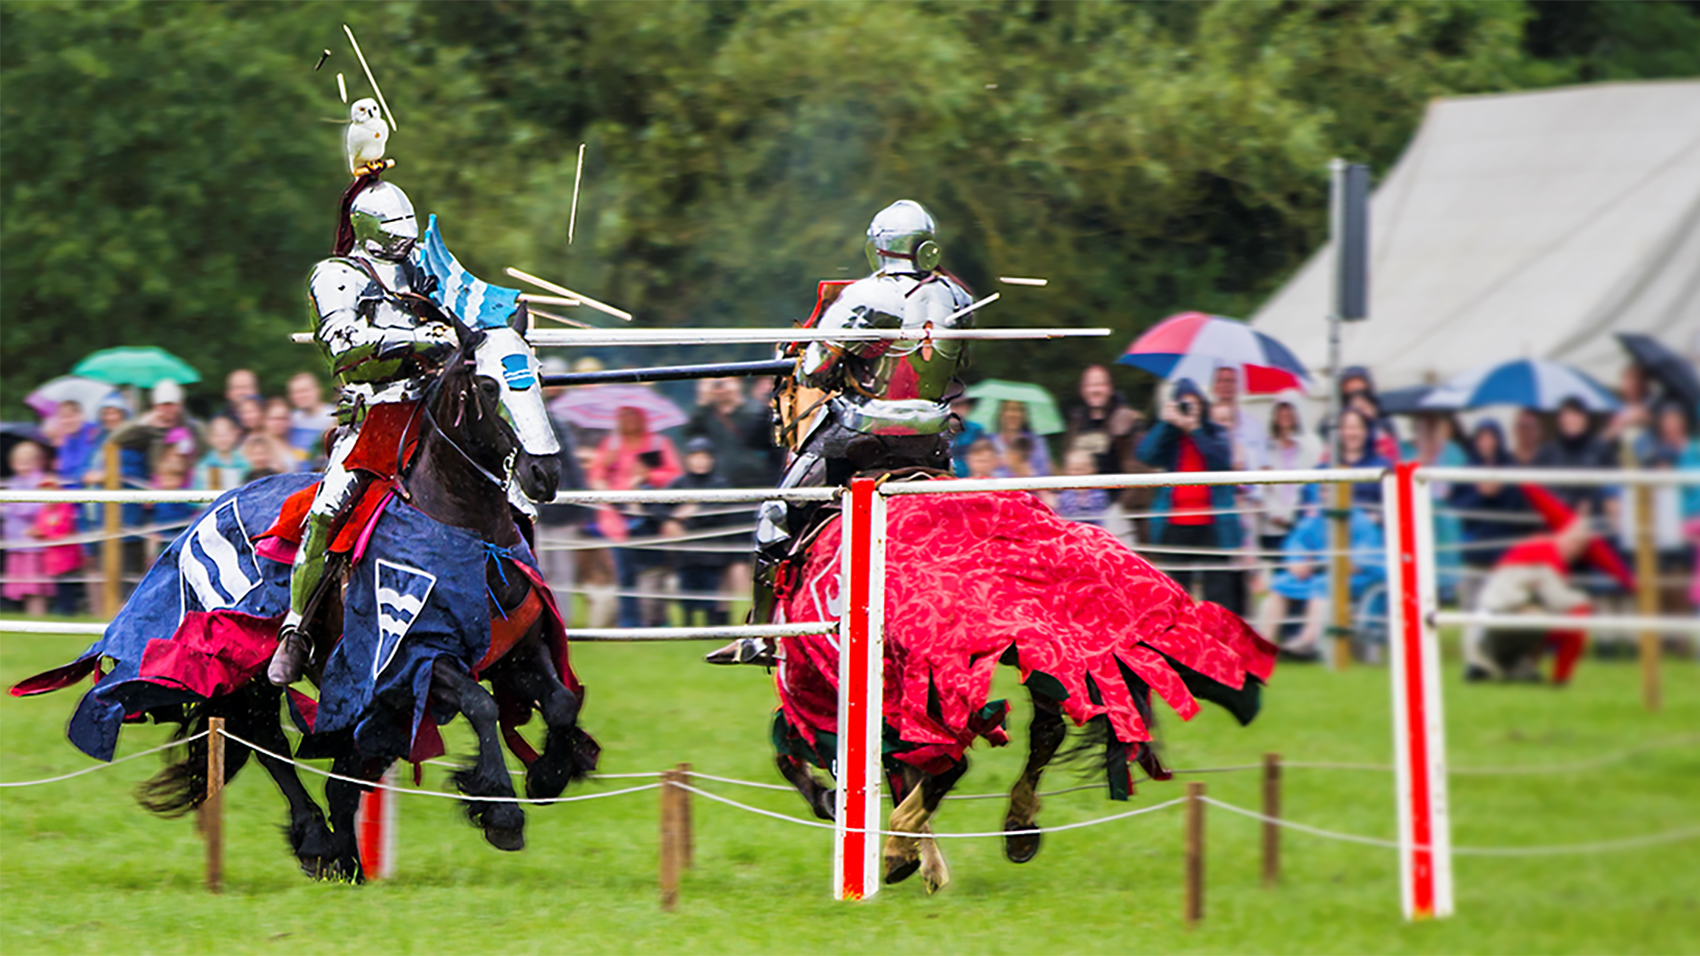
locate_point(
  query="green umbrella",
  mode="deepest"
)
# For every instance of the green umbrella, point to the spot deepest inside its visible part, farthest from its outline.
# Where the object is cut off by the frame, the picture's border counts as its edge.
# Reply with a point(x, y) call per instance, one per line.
point(144, 366)
point(989, 396)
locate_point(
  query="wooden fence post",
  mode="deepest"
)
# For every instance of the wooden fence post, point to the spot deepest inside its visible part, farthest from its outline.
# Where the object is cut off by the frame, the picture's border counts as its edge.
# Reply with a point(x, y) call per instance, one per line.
point(112, 549)
point(1340, 610)
point(1194, 853)
point(212, 811)
point(687, 830)
point(1272, 811)
point(1647, 595)
point(670, 851)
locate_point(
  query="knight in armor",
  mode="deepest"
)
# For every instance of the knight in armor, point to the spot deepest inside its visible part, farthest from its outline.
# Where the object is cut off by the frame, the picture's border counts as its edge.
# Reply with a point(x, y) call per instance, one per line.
point(385, 342)
point(884, 405)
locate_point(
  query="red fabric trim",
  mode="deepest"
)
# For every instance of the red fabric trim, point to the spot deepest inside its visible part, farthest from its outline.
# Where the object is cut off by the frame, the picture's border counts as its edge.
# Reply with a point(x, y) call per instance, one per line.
point(306, 706)
point(427, 744)
point(213, 652)
point(505, 632)
point(344, 243)
point(388, 429)
point(969, 576)
point(58, 678)
point(825, 292)
point(284, 536)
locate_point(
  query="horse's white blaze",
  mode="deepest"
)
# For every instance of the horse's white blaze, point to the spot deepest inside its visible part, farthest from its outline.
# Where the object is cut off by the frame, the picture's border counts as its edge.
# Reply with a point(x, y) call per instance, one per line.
point(506, 357)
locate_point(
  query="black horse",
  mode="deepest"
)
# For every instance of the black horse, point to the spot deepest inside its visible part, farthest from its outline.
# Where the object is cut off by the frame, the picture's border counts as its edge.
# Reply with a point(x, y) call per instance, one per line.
point(478, 430)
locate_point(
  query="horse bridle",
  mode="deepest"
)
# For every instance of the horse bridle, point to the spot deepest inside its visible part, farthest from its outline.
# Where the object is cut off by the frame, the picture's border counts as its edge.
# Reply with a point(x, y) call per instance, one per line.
point(425, 403)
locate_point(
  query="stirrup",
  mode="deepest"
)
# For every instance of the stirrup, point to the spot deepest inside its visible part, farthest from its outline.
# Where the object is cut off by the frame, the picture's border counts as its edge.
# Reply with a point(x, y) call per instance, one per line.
point(293, 651)
point(744, 650)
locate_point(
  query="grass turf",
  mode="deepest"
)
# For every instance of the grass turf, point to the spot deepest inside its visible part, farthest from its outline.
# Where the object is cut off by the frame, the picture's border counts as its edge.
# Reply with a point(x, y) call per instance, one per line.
point(83, 869)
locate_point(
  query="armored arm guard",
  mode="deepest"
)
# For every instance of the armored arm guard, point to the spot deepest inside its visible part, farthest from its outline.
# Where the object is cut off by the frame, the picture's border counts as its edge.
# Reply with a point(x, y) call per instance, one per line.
point(365, 331)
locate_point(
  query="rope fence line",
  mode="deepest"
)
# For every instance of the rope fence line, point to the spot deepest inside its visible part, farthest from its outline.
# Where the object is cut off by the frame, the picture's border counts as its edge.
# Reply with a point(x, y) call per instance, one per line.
point(1596, 846)
point(674, 782)
point(107, 764)
point(905, 833)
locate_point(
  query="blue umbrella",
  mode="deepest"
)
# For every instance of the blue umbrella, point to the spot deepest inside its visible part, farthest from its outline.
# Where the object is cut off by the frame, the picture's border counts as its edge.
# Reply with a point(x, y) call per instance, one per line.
point(1528, 383)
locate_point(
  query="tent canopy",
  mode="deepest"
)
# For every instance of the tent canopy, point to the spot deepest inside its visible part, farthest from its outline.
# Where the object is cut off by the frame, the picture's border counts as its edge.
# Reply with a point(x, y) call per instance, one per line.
point(1524, 225)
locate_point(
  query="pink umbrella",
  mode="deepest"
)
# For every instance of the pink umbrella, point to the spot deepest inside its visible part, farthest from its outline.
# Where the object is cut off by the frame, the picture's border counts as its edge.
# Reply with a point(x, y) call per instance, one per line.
point(1193, 345)
point(597, 406)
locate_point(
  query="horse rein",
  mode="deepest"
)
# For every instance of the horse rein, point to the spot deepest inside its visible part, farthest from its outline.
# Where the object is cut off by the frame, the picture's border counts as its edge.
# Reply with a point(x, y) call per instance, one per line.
point(425, 403)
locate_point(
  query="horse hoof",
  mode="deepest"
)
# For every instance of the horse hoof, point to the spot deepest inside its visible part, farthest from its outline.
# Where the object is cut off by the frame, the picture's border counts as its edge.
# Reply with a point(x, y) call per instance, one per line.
point(936, 882)
point(825, 805)
point(1020, 842)
point(509, 840)
point(897, 869)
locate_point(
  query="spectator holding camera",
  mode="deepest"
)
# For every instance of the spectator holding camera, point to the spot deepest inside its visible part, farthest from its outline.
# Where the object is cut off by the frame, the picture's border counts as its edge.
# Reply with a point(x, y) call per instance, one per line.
point(1191, 516)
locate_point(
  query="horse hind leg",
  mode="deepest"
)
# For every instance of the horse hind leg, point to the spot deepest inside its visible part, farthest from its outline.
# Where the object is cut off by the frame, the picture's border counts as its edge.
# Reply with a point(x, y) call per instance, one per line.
point(913, 814)
point(502, 821)
point(1021, 843)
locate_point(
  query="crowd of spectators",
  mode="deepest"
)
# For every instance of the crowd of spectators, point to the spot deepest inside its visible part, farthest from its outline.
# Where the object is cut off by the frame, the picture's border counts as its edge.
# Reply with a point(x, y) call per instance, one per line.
point(163, 447)
point(1261, 551)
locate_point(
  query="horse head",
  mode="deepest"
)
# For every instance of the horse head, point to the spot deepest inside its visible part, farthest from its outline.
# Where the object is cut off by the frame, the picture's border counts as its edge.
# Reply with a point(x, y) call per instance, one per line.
point(490, 404)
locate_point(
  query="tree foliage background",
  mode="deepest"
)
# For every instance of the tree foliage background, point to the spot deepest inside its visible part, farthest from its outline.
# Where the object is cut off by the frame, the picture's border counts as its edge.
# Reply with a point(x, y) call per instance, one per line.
point(169, 171)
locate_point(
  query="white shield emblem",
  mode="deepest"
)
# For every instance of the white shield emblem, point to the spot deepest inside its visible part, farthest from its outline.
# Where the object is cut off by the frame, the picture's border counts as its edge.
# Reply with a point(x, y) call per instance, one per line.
point(401, 594)
point(216, 562)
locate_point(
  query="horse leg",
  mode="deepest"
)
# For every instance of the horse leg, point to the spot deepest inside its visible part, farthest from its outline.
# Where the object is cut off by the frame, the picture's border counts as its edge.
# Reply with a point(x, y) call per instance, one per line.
point(343, 798)
point(528, 674)
point(913, 814)
point(503, 822)
point(933, 868)
point(821, 799)
point(1043, 739)
point(309, 837)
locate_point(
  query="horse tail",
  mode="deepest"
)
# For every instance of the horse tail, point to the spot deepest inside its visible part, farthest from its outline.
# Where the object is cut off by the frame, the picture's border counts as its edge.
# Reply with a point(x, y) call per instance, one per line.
point(182, 785)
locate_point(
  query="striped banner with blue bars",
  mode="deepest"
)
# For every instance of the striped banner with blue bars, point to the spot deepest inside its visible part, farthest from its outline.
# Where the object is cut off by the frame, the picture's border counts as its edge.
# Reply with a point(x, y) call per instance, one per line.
point(478, 303)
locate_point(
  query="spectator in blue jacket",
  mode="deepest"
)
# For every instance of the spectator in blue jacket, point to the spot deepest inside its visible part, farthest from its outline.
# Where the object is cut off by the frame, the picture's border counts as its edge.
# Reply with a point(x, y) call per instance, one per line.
point(1191, 516)
point(1305, 575)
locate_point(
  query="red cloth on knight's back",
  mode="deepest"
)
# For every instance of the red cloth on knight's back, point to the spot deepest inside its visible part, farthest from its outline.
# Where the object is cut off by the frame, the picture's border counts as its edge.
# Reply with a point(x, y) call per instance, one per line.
point(1189, 504)
point(291, 522)
point(969, 576)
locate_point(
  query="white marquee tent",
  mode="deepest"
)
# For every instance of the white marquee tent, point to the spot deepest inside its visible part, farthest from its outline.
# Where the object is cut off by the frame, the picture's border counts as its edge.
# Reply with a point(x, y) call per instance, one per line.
point(1524, 225)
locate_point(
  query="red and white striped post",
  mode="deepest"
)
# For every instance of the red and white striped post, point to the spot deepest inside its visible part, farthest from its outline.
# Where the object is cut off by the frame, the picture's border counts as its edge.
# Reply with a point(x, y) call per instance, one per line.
point(861, 697)
point(374, 829)
point(1419, 735)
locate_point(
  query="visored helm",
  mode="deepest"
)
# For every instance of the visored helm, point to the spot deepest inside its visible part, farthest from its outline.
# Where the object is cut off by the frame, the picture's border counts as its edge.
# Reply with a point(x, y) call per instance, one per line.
point(903, 231)
point(383, 220)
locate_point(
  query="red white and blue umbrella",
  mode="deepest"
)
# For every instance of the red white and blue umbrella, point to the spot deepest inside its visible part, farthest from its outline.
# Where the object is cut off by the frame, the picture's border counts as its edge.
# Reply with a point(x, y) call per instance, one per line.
point(1527, 383)
point(1194, 345)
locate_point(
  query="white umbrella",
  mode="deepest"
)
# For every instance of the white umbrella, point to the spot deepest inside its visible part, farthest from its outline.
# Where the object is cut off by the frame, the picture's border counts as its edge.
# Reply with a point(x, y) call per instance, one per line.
point(71, 388)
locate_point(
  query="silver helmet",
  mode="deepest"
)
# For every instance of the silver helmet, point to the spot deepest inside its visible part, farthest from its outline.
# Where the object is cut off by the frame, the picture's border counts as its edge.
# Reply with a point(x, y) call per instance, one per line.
point(903, 231)
point(383, 220)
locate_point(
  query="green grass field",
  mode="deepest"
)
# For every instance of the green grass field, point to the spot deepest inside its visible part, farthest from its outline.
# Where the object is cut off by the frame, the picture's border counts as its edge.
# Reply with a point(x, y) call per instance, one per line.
point(83, 869)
